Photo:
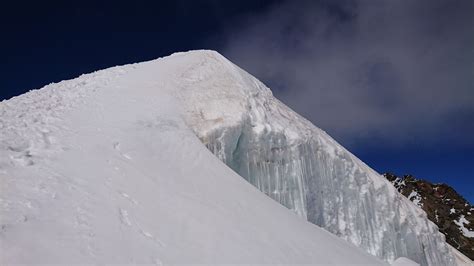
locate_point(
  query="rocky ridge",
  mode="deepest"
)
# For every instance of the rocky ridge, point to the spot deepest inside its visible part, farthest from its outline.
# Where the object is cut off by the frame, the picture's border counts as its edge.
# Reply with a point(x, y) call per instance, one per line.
point(444, 206)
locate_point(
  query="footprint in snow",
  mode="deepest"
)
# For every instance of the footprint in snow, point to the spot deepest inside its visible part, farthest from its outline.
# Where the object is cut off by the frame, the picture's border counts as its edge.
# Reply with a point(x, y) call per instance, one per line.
point(146, 234)
point(116, 146)
point(123, 214)
point(151, 237)
point(125, 195)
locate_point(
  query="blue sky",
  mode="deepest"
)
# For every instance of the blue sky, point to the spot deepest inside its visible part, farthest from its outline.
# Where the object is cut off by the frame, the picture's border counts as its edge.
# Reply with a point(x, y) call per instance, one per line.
point(392, 81)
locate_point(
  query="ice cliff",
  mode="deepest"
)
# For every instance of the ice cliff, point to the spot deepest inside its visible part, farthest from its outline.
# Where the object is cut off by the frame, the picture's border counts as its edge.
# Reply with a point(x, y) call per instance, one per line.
point(300, 166)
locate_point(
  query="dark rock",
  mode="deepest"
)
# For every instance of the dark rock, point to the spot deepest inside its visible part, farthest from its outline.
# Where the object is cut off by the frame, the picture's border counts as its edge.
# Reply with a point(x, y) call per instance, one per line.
point(443, 205)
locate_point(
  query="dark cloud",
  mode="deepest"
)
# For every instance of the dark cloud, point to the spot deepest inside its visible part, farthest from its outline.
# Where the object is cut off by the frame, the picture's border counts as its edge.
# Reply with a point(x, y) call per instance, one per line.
point(393, 71)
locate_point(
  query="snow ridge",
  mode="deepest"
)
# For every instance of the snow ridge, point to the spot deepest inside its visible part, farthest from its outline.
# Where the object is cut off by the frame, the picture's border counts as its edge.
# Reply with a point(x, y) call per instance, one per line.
point(103, 169)
point(300, 166)
point(107, 168)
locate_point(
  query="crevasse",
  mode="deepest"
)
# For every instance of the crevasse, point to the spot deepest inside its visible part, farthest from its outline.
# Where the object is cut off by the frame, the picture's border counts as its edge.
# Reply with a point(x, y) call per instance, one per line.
point(300, 166)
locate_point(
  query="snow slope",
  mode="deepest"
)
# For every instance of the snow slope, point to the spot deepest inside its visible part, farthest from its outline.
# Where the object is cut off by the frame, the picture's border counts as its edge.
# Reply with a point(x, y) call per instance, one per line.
point(105, 169)
point(460, 258)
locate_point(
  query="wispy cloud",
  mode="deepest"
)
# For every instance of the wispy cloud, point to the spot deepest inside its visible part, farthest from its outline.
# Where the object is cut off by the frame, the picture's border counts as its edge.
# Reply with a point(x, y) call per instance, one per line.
point(392, 71)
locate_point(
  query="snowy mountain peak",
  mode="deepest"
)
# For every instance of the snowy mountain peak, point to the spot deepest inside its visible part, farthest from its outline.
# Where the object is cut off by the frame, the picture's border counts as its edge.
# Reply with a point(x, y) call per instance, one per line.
point(102, 169)
point(107, 168)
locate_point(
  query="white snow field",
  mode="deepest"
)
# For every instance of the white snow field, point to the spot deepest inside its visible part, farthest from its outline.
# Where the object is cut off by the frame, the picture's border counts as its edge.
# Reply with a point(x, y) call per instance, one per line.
point(110, 168)
point(102, 169)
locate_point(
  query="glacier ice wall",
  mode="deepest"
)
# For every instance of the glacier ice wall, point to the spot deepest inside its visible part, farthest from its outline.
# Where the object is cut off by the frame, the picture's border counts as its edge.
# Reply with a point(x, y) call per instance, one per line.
point(300, 166)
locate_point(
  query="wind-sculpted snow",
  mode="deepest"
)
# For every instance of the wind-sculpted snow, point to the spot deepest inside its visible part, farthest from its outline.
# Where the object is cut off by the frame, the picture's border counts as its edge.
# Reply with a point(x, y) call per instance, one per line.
point(104, 170)
point(107, 168)
point(300, 166)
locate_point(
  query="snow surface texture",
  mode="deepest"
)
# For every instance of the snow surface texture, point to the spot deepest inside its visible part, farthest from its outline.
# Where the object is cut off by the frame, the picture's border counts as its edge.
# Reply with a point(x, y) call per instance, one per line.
point(465, 231)
point(103, 169)
point(300, 166)
point(460, 258)
point(402, 261)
